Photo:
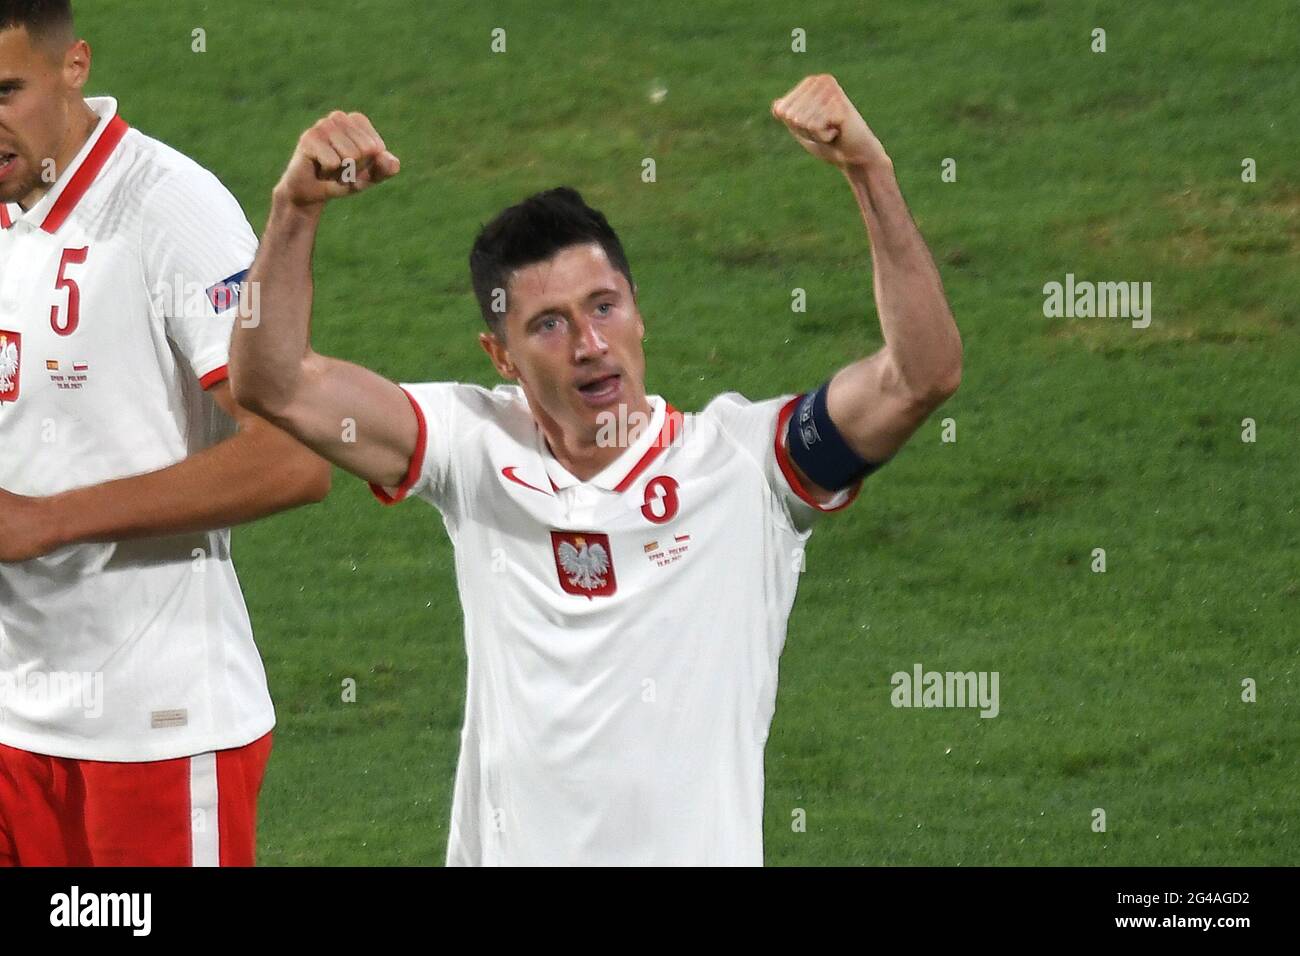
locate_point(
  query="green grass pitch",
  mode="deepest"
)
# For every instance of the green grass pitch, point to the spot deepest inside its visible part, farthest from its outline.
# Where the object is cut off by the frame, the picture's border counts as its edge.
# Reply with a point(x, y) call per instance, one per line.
point(1119, 690)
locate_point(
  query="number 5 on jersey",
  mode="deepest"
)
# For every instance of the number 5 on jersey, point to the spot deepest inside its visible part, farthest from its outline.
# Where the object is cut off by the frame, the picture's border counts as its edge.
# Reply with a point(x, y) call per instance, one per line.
point(65, 323)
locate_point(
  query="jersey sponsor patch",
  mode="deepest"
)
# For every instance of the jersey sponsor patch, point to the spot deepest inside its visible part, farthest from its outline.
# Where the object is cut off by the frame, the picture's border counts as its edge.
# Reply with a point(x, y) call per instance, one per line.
point(225, 294)
point(11, 360)
point(584, 562)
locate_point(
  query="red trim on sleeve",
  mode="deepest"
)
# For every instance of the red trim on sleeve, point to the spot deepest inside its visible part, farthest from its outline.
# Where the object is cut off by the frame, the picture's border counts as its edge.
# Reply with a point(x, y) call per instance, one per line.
point(215, 377)
point(672, 421)
point(85, 174)
point(787, 466)
point(417, 459)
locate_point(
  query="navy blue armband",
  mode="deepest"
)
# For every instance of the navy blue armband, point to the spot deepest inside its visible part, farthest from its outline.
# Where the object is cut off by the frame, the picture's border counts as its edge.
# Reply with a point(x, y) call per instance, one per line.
point(818, 448)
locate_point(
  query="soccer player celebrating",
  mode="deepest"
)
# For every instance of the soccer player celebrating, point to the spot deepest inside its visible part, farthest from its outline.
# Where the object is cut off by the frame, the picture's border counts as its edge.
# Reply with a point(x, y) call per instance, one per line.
point(625, 591)
point(134, 715)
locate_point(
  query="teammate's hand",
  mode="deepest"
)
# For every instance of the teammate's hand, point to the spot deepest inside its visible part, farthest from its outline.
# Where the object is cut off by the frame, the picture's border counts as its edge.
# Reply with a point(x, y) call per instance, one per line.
point(342, 154)
point(824, 121)
point(26, 530)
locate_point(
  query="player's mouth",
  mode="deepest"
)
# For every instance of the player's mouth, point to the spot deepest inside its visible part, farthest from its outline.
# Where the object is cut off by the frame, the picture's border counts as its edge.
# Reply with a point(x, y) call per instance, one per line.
point(602, 390)
point(7, 161)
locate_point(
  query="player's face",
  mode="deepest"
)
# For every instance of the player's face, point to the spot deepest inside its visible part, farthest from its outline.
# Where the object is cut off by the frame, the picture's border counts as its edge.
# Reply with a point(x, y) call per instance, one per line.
point(36, 107)
point(573, 338)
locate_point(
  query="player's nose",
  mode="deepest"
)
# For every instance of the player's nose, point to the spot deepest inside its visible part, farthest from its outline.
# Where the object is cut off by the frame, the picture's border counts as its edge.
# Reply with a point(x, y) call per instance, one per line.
point(590, 341)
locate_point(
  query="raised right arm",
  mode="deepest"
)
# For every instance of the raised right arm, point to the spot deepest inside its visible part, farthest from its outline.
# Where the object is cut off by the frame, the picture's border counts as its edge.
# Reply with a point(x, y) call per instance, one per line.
point(346, 413)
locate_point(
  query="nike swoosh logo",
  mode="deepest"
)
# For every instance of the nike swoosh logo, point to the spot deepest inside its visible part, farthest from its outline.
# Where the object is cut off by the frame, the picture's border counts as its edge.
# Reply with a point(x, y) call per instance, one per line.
point(509, 472)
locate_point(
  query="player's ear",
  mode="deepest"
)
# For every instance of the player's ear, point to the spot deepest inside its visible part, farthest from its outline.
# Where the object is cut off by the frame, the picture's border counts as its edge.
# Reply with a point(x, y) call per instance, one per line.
point(496, 351)
point(76, 65)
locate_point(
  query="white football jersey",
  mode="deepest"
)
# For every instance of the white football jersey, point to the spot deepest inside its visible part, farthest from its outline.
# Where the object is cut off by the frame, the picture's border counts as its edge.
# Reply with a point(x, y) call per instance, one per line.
point(117, 294)
point(622, 633)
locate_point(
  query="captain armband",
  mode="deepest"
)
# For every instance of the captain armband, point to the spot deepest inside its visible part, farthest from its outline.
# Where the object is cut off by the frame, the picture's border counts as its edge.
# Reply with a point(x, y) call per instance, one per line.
point(818, 448)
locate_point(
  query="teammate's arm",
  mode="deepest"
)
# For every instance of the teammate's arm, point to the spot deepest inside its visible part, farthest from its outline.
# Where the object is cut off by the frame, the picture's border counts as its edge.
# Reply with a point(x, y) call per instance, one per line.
point(348, 414)
point(877, 402)
point(257, 472)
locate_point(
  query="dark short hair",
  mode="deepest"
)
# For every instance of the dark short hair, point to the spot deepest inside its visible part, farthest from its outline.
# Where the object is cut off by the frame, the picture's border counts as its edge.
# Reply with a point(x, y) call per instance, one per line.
point(532, 232)
point(43, 19)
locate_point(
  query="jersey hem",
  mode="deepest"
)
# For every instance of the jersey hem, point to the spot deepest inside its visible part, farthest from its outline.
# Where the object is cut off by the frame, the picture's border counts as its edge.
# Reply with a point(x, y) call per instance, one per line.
point(39, 744)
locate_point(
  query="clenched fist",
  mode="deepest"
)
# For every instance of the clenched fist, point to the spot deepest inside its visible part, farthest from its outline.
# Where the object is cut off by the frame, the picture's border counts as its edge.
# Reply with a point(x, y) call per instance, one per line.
point(342, 154)
point(824, 121)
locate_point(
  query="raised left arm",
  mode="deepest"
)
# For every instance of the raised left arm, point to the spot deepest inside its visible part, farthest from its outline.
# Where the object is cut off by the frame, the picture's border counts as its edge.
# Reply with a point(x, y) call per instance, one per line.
point(256, 472)
point(878, 401)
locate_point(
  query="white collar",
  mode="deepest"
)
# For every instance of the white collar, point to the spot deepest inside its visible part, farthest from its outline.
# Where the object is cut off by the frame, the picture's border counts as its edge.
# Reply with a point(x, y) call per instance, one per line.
point(619, 473)
point(77, 177)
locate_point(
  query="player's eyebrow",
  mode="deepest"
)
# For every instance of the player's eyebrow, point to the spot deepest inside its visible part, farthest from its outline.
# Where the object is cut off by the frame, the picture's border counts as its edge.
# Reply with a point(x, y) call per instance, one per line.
point(547, 309)
point(12, 82)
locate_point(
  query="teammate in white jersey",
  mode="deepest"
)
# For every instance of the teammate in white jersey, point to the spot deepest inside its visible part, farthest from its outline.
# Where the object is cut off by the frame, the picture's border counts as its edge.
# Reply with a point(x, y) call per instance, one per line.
point(625, 571)
point(134, 715)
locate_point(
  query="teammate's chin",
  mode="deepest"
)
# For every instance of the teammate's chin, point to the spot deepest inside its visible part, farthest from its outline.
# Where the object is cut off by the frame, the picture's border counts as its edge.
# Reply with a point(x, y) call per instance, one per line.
point(603, 393)
point(11, 170)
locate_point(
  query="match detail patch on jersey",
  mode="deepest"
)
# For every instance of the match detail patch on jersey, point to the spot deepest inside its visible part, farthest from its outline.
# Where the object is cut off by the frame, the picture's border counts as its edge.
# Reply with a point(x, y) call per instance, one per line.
point(585, 563)
point(663, 552)
point(68, 376)
point(11, 361)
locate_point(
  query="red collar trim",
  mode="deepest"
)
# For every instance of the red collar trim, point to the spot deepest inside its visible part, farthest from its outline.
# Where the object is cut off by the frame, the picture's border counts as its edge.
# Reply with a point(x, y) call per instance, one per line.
point(85, 175)
point(672, 423)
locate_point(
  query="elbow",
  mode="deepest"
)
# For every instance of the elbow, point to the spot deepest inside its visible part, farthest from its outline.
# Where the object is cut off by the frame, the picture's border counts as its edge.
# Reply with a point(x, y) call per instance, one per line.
point(319, 488)
point(947, 384)
point(924, 390)
point(938, 389)
point(245, 395)
point(262, 398)
point(315, 481)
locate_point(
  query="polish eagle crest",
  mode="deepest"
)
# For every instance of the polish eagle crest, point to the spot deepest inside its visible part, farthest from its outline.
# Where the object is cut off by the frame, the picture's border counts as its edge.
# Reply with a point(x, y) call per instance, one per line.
point(8, 363)
point(586, 565)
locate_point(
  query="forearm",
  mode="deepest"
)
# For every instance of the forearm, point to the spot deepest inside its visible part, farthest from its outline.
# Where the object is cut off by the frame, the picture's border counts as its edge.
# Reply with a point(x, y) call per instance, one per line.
point(344, 412)
point(915, 318)
point(266, 378)
point(255, 473)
